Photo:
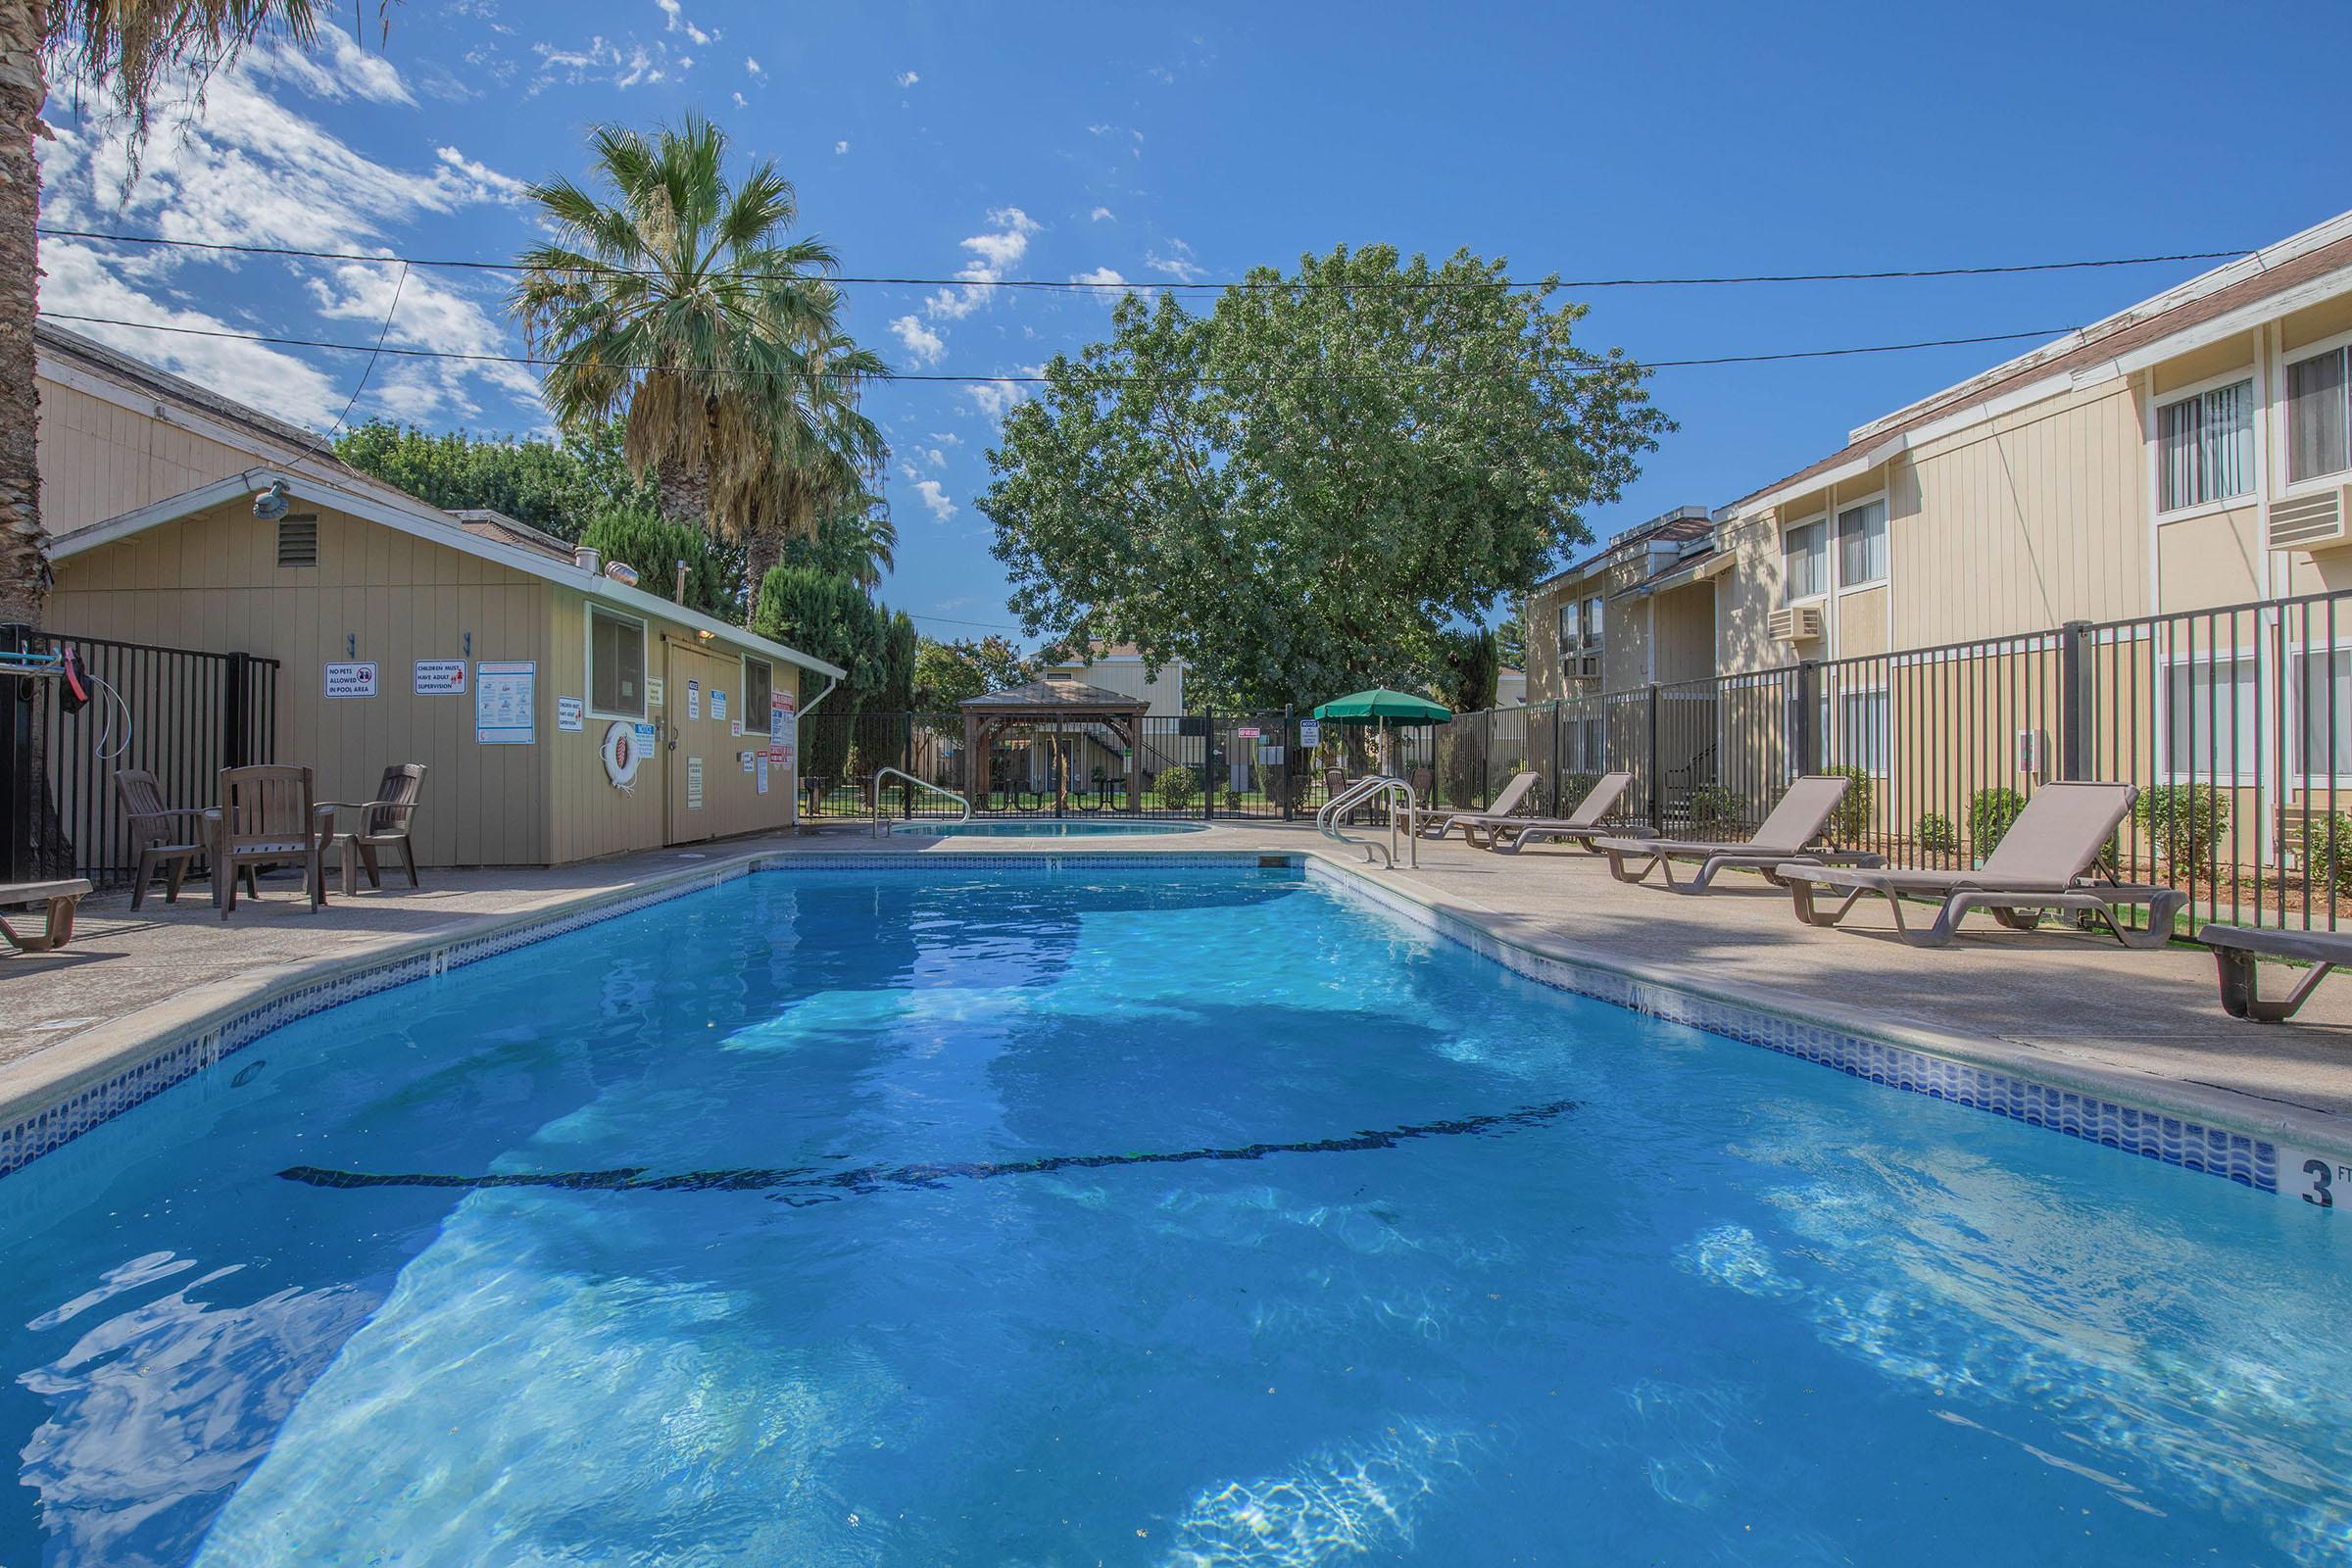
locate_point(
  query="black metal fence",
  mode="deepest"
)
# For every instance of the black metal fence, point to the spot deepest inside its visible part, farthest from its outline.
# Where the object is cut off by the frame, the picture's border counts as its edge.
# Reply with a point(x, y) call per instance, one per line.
point(2235, 723)
point(179, 713)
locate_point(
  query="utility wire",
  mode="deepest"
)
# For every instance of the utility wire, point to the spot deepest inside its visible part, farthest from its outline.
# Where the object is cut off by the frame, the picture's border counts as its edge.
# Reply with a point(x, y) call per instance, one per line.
point(368, 370)
point(1076, 286)
point(1026, 378)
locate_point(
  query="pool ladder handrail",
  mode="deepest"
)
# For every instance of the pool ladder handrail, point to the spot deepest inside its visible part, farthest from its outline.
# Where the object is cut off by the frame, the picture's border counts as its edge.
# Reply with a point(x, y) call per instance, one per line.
point(1363, 790)
point(882, 821)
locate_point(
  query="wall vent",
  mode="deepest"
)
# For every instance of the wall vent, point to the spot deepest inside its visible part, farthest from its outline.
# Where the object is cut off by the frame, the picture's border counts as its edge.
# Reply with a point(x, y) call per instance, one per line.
point(2310, 522)
point(298, 540)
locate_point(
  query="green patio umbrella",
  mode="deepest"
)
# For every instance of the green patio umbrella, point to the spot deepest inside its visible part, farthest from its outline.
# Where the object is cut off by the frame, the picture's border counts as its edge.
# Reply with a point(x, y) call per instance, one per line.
point(1383, 706)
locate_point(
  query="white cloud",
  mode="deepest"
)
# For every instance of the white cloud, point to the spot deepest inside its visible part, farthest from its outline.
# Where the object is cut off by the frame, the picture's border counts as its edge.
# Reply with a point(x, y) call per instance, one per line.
point(920, 341)
point(907, 78)
point(337, 67)
point(1103, 213)
point(741, 102)
point(994, 254)
point(933, 456)
point(484, 184)
point(677, 14)
point(1106, 281)
point(947, 438)
point(77, 280)
point(839, 147)
point(935, 496)
point(430, 315)
point(750, 66)
point(603, 63)
point(1178, 262)
point(996, 399)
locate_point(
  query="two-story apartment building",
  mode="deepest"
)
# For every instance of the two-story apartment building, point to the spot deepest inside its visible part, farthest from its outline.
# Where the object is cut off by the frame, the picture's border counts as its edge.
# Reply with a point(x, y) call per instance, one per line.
point(1640, 608)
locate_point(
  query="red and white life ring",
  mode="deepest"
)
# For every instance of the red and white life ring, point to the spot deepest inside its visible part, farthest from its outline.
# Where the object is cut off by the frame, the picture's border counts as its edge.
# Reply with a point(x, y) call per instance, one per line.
point(621, 754)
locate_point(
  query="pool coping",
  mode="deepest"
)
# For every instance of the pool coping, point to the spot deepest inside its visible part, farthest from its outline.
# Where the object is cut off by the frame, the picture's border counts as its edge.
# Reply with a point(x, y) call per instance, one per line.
point(48, 1100)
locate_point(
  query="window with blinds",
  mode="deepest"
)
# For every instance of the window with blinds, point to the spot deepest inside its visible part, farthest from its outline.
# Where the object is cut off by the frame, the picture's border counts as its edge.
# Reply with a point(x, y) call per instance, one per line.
point(2205, 447)
point(2318, 431)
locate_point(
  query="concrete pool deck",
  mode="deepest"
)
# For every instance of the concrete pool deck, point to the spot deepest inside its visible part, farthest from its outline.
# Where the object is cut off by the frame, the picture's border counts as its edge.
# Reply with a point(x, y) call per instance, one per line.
point(2059, 1006)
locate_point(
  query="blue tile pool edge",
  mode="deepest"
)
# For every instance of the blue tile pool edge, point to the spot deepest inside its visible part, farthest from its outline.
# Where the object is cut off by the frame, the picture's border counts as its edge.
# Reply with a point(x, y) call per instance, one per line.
point(2248, 1158)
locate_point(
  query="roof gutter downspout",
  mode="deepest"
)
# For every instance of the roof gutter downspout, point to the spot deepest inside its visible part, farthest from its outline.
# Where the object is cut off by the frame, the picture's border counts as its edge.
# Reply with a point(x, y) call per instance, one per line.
point(831, 682)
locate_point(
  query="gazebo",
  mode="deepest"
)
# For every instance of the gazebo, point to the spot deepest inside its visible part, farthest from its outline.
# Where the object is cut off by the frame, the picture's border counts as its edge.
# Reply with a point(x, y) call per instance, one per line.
point(1064, 705)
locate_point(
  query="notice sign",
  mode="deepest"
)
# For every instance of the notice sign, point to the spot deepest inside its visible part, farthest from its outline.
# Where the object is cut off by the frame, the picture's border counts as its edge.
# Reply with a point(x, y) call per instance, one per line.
point(694, 699)
point(351, 680)
point(718, 703)
point(570, 717)
point(440, 678)
point(1249, 734)
point(504, 701)
point(653, 690)
point(1310, 733)
point(783, 728)
point(694, 783)
point(763, 772)
point(744, 758)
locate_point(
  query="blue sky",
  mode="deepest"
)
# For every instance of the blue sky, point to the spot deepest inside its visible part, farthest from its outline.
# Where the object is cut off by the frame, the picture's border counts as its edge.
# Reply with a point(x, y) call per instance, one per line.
point(1065, 141)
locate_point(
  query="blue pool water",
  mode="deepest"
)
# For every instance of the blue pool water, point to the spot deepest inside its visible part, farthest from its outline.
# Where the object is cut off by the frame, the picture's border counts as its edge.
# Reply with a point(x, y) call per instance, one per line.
point(1045, 827)
point(805, 1221)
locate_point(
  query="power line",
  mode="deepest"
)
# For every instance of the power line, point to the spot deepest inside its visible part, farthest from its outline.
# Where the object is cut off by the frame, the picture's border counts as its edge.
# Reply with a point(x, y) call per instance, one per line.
point(1026, 378)
point(951, 620)
point(1077, 286)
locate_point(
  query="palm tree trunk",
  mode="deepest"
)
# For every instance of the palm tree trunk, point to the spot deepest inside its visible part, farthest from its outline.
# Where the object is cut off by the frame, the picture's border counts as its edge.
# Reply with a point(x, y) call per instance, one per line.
point(681, 497)
point(23, 564)
point(762, 550)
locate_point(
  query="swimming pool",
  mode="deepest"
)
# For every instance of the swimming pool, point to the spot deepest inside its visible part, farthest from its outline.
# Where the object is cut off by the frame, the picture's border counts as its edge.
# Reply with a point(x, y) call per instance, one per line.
point(1036, 1215)
point(1045, 827)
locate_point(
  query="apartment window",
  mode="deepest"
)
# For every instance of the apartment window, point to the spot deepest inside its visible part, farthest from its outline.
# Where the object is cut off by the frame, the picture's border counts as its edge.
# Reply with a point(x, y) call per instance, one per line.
point(759, 689)
point(1805, 556)
point(2322, 742)
point(1862, 545)
point(2319, 438)
point(2205, 447)
point(1593, 619)
point(2213, 719)
point(1861, 734)
point(616, 665)
point(1588, 745)
point(1570, 624)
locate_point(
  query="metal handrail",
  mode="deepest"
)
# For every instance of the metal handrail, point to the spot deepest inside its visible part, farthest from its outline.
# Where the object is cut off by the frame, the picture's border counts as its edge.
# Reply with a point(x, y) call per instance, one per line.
point(1365, 789)
point(882, 823)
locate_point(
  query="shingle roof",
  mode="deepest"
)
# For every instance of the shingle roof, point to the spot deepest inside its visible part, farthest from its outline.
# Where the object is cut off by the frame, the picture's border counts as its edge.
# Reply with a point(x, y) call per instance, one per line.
point(1068, 694)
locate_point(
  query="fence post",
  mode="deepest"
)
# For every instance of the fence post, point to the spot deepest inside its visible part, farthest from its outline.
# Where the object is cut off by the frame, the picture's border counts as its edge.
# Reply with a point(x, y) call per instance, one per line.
point(1806, 723)
point(2075, 705)
point(1653, 766)
point(906, 759)
point(1209, 764)
point(1289, 740)
point(20, 797)
point(236, 716)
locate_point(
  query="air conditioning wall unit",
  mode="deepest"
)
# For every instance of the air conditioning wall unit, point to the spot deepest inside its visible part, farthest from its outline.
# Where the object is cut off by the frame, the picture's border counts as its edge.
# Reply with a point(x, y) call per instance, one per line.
point(1795, 623)
point(2314, 521)
point(1584, 666)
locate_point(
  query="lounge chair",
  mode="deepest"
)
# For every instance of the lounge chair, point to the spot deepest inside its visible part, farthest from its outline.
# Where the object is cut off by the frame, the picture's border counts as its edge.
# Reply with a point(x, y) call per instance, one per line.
point(1784, 838)
point(2234, 948)
point(166, 838)
point(60, 896)
point(1510, 835)
point(1436, 824)
point(266, 816)
point(385, 824)
point(2043, 863)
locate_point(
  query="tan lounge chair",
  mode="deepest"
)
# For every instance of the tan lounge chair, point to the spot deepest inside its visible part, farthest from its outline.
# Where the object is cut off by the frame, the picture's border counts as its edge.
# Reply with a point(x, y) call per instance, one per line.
point(385, 824)
point(2043, 863)
point(167, 838)
point(266, 816)
point(1784, 838)
point(1432, 824)
point(1583, 825)
point(60, 896)
point(2234, 948)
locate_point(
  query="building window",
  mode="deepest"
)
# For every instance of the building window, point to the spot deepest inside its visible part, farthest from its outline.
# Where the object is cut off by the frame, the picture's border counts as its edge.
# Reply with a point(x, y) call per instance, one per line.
point(1593, 619)
point(1805, 556)
point(616, 665)
point(2205, 447)
point(1860, 734)
point(759, 693)
point(2318, 436)
point(1570, 624)
point(2213, 719)
point(1862, 545)
point(2322, 738)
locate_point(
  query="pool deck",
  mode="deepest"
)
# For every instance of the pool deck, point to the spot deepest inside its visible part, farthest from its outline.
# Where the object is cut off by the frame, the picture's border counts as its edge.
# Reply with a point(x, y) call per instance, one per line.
point(2063, 1006)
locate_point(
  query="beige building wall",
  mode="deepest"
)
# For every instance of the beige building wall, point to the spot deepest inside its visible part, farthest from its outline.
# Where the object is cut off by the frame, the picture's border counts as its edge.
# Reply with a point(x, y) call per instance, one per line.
point(99, 459)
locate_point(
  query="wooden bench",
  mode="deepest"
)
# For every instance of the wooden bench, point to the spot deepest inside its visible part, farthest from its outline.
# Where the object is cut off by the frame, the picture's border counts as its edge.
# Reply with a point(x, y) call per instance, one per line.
point(2237, 946)
point(60, 896)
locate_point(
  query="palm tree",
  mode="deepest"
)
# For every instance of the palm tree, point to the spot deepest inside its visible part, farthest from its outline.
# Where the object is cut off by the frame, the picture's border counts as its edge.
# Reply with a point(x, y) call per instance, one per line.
point(127, 49)
point(854, 538)
point(680, 305)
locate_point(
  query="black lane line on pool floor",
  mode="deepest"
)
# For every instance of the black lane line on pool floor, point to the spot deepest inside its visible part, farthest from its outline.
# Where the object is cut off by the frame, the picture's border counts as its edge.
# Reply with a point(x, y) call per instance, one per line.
point(808, 1184)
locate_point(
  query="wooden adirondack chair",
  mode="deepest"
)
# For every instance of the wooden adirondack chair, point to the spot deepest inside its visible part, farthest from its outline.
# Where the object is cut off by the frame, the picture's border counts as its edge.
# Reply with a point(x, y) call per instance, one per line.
point(383, 826)
point(268, 817)
point(163, 837)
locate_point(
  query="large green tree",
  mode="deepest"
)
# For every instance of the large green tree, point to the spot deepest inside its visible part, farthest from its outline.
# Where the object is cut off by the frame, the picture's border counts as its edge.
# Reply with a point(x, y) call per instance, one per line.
point(679, 301)
point(656, 546)
point(1299, 491)
point(945, 673)
point(557, 486)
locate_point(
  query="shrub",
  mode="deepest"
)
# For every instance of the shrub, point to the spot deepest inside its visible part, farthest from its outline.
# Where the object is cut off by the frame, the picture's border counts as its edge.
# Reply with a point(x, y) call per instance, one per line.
point(1233, 799)
point(2182, 821)
point(2327, 853)
point(1990, 813)
point(1716, 812)
point(1179, 788)
point(1851, 819)
point(1937, 835)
